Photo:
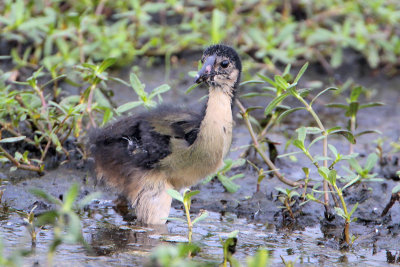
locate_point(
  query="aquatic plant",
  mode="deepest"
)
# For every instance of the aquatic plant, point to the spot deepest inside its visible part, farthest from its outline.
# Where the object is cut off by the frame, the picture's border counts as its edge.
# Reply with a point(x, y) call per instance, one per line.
point(186, 200)
point(287, 86)
point(175, 256)
point(229, 248)
point(34, 121)
point(222, 176)
point(351, 111)
point(64, 219)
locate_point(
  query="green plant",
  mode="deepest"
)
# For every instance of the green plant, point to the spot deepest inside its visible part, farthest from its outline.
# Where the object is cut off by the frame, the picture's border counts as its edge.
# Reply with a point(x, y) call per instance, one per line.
point(227, 181)
point(260, 259)
point(175, 256)
point(13, 260)
point(287, 199)
point(288, 87)
point(65, 221)
point(186, 200)
point(229, 248)
point(351, 111)
point(145, 99)
point(363, 173)
point(29, 219)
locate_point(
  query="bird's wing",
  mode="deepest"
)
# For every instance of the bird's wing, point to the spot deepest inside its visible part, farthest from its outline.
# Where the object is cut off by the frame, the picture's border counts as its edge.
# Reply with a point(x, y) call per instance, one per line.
point(142, 141)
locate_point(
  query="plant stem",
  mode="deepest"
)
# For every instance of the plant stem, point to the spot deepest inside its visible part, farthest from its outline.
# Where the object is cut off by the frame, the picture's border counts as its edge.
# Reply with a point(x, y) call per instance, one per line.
point(347, 220)
point(190, 225)
point(325, 145)
point(18, 164)
point(89, 104)
point(256, 145)
point(352, 130)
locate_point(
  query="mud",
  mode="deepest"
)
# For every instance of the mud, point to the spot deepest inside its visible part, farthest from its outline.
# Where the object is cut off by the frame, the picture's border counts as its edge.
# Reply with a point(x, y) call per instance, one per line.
point(308, 240)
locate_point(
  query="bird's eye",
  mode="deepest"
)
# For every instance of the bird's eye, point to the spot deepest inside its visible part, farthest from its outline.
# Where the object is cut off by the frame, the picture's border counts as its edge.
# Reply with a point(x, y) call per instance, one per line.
point(224, 63)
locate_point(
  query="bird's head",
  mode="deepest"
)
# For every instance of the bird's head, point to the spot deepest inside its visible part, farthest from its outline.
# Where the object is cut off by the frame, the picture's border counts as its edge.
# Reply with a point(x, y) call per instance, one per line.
point(221, 67)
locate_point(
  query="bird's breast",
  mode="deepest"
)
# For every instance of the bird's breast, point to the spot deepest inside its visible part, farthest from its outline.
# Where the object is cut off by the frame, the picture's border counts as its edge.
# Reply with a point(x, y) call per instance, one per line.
point(205, 156)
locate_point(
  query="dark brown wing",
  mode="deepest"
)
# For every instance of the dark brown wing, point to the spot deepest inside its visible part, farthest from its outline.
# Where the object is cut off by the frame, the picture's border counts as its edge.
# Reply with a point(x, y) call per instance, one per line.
point(141, 141)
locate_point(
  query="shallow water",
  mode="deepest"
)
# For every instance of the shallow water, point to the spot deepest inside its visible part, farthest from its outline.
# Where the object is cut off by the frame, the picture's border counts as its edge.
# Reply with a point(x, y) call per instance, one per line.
point(118, 243)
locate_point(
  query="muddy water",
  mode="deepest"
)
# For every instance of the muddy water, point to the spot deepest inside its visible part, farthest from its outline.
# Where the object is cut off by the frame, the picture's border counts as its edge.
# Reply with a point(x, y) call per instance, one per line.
point(309, 240)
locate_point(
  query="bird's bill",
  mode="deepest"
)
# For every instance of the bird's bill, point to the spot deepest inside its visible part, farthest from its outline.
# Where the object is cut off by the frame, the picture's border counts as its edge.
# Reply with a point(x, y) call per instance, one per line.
point(205, 71)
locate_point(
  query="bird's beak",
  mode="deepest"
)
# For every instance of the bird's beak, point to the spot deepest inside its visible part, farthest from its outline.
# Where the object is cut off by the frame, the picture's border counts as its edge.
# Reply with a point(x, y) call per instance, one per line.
point(205, 71)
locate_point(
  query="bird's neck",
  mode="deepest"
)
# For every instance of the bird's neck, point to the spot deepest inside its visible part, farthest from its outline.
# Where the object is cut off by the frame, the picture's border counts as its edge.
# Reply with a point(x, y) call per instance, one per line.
point(216, 128)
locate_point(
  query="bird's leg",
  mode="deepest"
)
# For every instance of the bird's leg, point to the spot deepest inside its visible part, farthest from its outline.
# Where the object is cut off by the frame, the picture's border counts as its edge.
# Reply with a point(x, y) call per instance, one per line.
point(153, 203)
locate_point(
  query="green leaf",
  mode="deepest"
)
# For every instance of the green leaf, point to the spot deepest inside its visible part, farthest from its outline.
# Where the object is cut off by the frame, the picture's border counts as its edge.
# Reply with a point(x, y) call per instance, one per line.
point(159, 90)
point(372, 159)
point(315, 140)
point(311, 197)
point(301, 134)
point(175, 194)
point(299, 144)
point(333, 150)
point(54, 79)
point(249, 109)
point(301, 72)
point(313, 130)
point(289, 154)
point(74, 230)
point(233, 234)
point(41, 194)
point(70, 197)
point(200, 218)
point(306, 171)
point(373, 104)
point(287, 112)
point(260, 259)
point(230, 186)
point(128, 106)
point(353, 209)
point(321, 158)
point(353, 109)
point(268, 80)
point(337, 105)
point(353, 181)
point(321, 93)
point(48, 217)
point(137, 86)
point(106, 64)
point(340, 212)
point(332, 176)
point(119, 81)
point(12, 139)
point(218, 19)
point(191, 88)
point(396, 189)
point(368, 132)
point(333, 129)
point(281, 82)
point(349, 136)
point(324, 172)
point(276, 101)
point(355, 165)
point(355, 93)
point(189, 194)
point(255, 94)
point(250, 81)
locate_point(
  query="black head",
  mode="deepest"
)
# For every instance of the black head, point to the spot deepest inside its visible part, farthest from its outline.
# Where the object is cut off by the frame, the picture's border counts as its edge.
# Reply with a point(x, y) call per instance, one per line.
point(221, 67)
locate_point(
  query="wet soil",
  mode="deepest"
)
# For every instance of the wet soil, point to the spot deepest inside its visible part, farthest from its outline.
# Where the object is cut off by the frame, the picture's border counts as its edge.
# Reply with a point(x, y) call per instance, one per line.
point(309, 239)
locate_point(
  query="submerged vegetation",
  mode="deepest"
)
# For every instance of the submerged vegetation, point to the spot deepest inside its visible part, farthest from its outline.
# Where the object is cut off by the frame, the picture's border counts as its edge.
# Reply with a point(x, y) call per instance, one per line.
point(58, 60)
